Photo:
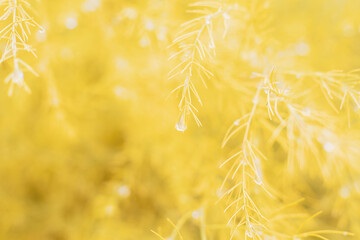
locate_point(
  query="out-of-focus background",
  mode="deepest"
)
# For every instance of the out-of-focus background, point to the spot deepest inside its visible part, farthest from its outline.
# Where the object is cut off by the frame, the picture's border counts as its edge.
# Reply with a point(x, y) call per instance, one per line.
point(92, 153)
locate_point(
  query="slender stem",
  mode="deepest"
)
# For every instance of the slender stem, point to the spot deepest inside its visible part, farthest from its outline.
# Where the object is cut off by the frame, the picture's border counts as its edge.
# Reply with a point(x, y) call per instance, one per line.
point(255, 103)
point(14, 41)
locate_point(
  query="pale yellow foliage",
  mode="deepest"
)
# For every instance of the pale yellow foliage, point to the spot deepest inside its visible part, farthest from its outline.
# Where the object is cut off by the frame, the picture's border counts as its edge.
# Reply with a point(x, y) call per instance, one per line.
point(180, 120)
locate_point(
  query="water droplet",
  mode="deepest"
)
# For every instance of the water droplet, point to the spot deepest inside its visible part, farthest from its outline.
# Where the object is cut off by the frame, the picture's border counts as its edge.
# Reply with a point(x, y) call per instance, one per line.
point(195, 214)
point(249, 234)
point(181, 124)
point(329, 147)
point(18, 77)
point(41, 35)
point(27, 47)
point(208, 20)
point(237, 122)
point(258, 180)
point(211, 45)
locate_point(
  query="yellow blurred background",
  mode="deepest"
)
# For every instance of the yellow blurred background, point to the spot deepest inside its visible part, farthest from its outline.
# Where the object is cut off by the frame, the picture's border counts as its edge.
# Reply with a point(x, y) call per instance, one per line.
point(92, 153)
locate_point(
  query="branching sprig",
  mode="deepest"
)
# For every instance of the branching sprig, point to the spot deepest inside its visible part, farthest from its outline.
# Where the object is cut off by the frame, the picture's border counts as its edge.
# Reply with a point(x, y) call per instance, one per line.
point(341, 86)
point(302, 126)
point(196, 45)
point(16, 34)
point(200, 213)
point(305, 127)
point(338, 87)
point(244, 173)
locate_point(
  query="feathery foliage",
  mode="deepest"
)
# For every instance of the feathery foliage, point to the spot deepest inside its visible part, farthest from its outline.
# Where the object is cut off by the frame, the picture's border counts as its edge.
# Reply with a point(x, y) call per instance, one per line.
point(93, 154)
